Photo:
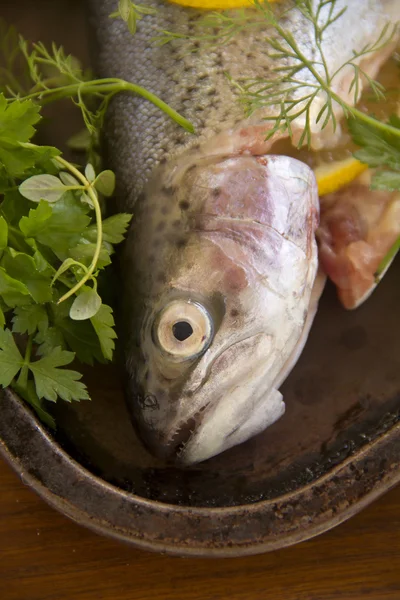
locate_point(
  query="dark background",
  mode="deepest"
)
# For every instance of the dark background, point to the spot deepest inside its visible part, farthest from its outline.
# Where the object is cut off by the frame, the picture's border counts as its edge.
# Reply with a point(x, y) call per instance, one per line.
point(44, 556)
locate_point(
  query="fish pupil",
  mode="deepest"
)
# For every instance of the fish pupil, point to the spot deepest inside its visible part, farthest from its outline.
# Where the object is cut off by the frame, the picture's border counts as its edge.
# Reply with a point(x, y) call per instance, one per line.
point(182, 330)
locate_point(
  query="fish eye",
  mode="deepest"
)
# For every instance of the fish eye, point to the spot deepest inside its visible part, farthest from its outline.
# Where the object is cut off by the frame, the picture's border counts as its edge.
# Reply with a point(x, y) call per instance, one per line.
point(183, 329)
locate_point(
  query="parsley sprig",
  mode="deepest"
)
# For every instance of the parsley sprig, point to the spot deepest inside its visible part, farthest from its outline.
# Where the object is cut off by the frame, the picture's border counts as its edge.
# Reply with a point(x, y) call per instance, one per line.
point(54, 240)
point(53, 244)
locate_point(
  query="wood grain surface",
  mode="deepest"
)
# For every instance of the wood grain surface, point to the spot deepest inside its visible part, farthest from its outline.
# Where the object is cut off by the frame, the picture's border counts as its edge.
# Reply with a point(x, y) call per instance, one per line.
point(44, 556)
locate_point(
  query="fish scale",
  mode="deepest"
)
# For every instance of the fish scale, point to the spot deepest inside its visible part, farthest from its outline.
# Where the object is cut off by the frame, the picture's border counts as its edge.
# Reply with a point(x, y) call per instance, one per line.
point(174, 75)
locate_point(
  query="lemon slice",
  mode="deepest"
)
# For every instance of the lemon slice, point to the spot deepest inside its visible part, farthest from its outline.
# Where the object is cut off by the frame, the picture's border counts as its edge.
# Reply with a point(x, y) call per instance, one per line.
point(336, 175)
point(215, 4)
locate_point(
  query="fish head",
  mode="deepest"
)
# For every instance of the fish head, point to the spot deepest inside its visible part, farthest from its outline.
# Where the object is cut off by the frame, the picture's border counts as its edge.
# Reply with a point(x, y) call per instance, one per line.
point(214, 332)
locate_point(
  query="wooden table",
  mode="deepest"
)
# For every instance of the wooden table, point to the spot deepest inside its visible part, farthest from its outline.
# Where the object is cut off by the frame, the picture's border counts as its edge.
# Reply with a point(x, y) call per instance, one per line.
point(44, 556)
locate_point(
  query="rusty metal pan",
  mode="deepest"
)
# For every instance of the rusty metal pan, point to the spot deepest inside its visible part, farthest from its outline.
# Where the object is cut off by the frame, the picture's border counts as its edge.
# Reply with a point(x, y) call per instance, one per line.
point(336, 450)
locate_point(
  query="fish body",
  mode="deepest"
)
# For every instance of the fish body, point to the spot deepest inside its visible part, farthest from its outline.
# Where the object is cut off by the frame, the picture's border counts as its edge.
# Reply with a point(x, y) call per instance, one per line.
point(220, 264)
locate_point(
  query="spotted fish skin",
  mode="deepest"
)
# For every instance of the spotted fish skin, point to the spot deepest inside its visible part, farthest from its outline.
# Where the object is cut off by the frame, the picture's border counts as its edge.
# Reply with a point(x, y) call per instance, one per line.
point(243, 247)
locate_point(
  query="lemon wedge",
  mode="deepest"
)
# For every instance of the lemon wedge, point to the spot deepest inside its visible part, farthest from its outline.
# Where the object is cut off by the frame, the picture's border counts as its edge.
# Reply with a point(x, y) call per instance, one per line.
point(336, 175)
point(215, 4)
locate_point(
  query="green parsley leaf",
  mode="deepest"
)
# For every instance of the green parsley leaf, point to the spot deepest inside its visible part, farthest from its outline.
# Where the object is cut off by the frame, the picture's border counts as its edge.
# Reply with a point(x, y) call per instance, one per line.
point(85, 305)
point(57, 226)
point(35, 223)
point(82, 339)
point(3, 233)
point(114, 228)
point(12, 291)
point(11, 360)
point(52, 381)
point(48, 338)
point(43, 157)
point(42, 187)
point(14, 207)
point(22, 267)
point(29, 318)
point(378, 147)
point(17, 119)
point(15, 159)
point(103, 323)
point(105, 183)
point(386, 180)
point(83, 253)
point(2, 319)
point(79, 336)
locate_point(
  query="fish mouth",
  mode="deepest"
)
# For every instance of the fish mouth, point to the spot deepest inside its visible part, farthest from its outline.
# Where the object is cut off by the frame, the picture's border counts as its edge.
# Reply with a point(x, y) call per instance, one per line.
point(186, 430)
point(188, 441)
point(167, 441)
point(170, 448)
point(184, 434)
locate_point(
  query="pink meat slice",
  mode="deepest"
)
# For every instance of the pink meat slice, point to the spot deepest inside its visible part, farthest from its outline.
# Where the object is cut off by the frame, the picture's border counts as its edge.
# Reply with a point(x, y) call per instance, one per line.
point(358, 227)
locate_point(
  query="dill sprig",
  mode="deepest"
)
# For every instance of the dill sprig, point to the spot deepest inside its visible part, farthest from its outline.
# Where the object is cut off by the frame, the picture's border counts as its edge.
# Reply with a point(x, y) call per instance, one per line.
point(291, 93)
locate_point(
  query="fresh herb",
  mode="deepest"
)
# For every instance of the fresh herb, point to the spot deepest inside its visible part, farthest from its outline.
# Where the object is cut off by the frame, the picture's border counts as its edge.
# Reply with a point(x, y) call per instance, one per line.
point(131, 13)
point(52, 251)
point(380, 151)
point(54, 241)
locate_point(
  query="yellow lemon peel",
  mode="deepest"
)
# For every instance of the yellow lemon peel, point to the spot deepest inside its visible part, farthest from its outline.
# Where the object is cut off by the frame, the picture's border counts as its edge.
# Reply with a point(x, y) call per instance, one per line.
point(336, 175)
point(215, 4)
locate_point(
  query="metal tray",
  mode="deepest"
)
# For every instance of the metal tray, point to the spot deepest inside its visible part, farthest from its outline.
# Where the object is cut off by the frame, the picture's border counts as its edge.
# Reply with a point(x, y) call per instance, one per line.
point(334, 452)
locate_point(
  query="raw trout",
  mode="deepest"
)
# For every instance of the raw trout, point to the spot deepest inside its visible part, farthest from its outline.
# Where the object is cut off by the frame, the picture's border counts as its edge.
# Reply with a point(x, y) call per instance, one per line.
point(220, 285)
